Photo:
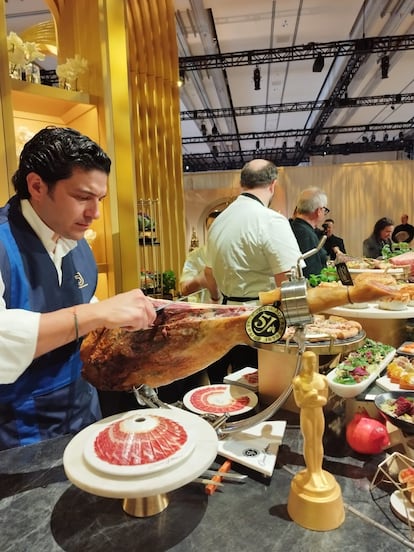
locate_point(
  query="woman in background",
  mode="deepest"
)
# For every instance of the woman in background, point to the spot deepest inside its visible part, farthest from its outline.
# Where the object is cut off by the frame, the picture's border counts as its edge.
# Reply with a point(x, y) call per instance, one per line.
point(381, 235)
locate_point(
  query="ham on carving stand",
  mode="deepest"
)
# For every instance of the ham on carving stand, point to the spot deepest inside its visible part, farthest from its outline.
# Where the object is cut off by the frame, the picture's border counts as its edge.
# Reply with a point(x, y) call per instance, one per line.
point(297, 315)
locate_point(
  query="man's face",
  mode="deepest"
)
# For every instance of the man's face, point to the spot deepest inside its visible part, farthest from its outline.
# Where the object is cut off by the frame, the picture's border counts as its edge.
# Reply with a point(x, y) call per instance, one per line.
point(70, 208)
point(329, 228)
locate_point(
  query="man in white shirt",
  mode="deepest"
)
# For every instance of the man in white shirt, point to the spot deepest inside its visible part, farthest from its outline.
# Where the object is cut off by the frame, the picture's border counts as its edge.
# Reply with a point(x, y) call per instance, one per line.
point(48, 278)
point(250, 247)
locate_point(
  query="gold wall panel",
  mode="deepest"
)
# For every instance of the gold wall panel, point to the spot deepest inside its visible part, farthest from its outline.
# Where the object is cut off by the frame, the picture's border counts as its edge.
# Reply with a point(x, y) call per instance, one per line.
point(133, 71)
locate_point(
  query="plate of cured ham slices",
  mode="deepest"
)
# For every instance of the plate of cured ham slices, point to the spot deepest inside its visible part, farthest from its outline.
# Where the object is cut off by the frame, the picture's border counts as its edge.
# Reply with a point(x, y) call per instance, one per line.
point(139, 444)
point(220, 399)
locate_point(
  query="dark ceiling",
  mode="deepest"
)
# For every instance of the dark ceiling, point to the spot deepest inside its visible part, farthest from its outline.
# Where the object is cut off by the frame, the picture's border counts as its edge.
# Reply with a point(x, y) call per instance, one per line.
point(288, 80)
point(357, 86)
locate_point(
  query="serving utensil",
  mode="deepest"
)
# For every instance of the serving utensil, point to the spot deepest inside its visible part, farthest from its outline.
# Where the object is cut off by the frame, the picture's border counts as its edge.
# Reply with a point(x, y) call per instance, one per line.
point(238, 477)
point(205, 481)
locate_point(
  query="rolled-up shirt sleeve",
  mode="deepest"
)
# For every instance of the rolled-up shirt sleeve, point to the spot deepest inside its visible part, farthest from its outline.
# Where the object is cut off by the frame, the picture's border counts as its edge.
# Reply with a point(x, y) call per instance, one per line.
point(18, 339)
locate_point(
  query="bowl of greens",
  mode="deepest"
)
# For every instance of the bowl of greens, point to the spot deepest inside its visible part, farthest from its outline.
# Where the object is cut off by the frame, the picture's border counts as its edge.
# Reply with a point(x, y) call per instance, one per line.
point(360, 369)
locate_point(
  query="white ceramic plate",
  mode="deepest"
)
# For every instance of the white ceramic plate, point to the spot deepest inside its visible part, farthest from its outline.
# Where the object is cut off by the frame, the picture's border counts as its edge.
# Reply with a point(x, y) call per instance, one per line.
point(406, 352)
point(220, 399)
point(402, 507)
point(392, 305)
point(385, 383)
point(375, 270)
point(163, 442)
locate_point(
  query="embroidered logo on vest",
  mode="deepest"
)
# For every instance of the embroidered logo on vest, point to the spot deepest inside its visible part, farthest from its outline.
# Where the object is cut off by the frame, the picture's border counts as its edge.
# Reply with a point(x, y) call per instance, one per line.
point(81, 282)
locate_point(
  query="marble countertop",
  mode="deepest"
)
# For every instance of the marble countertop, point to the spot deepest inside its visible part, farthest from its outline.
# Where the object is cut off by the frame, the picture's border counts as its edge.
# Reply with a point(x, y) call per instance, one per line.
point(42, 511)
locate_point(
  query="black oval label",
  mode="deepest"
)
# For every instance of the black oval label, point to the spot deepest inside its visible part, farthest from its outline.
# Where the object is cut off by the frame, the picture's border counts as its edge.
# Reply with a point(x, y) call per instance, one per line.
point(266, 324)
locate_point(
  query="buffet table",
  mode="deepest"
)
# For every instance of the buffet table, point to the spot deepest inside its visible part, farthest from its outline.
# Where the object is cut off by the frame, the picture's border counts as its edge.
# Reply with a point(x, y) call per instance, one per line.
point(386, 326)
point(43, 511)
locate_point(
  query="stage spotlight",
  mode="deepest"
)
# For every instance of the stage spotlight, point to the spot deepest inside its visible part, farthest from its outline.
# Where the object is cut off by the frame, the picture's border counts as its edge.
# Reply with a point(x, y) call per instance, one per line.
point(318, 63)
point(257, 145)
point(373, 137)
point(257, 78)
point(214, 151)
point(365, 140)
point(386, 137)
point(385, 65)
point(214, 130)
point(203, 129)
point(181, 78)
point(284, 153)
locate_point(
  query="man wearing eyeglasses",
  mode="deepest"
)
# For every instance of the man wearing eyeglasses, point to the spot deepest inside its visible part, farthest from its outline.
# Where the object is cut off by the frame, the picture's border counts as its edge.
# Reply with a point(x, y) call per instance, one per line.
point(311, 211)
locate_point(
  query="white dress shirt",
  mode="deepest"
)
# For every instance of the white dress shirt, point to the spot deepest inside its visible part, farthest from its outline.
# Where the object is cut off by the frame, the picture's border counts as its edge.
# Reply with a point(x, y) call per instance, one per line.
point(19, 328)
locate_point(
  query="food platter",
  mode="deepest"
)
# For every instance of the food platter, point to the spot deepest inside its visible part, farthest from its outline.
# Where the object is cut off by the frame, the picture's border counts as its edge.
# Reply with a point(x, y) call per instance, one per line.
point(94, 481)
point(326, 347)
point(138, 444)
point(381, 402)
point(385, 383)
point(376, 270)
point(406, 349)
point(220, 399)
point(349, 391)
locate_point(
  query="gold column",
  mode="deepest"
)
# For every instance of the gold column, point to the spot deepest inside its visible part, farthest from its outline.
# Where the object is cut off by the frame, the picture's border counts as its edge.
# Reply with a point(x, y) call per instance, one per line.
point(132, 53)
point(8, 160)
point(154, 74)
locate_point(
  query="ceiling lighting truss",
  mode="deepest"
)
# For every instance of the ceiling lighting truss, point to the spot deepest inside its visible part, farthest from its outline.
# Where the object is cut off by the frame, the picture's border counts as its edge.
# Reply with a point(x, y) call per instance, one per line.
point(361, 46)
point(286, 156)
point(295, 107)
point(300, 133)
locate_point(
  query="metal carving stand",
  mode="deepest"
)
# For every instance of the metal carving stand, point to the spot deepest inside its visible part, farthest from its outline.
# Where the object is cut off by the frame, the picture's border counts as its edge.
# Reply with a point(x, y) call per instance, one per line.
point(296, 312)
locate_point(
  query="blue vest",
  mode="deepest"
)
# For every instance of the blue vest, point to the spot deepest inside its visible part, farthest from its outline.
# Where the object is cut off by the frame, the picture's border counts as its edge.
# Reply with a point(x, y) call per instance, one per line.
point(49, 398)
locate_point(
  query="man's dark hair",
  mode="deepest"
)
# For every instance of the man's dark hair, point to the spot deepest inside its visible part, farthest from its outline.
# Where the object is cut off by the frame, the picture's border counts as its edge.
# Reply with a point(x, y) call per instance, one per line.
point(258, 178)
point(53, 154)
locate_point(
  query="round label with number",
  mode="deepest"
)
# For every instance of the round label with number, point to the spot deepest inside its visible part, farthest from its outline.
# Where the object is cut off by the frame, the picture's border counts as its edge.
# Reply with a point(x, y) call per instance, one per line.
point(266, 324)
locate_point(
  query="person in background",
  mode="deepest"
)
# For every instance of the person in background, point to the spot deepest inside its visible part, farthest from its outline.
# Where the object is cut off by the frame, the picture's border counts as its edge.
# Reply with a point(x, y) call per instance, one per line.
point(250, 247)
point(292, 218)
point(311, 211)
point(48, 278)
point(192, 279)
point(334, 245)
point(403, 232)
point(381, 236)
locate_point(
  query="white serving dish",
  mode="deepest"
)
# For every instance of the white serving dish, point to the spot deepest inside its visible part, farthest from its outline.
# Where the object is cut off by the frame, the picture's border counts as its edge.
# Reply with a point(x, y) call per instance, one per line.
point(352, 390)
point(356, 306)
point(392, 305)
point(385, 383)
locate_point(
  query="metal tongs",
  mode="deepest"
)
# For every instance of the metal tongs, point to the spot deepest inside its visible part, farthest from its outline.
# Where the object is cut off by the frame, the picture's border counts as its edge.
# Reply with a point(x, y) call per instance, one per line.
point(147, 396)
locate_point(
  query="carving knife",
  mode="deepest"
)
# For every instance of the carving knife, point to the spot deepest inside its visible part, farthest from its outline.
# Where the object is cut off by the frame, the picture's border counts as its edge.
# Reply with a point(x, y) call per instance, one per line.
point(159, 309)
